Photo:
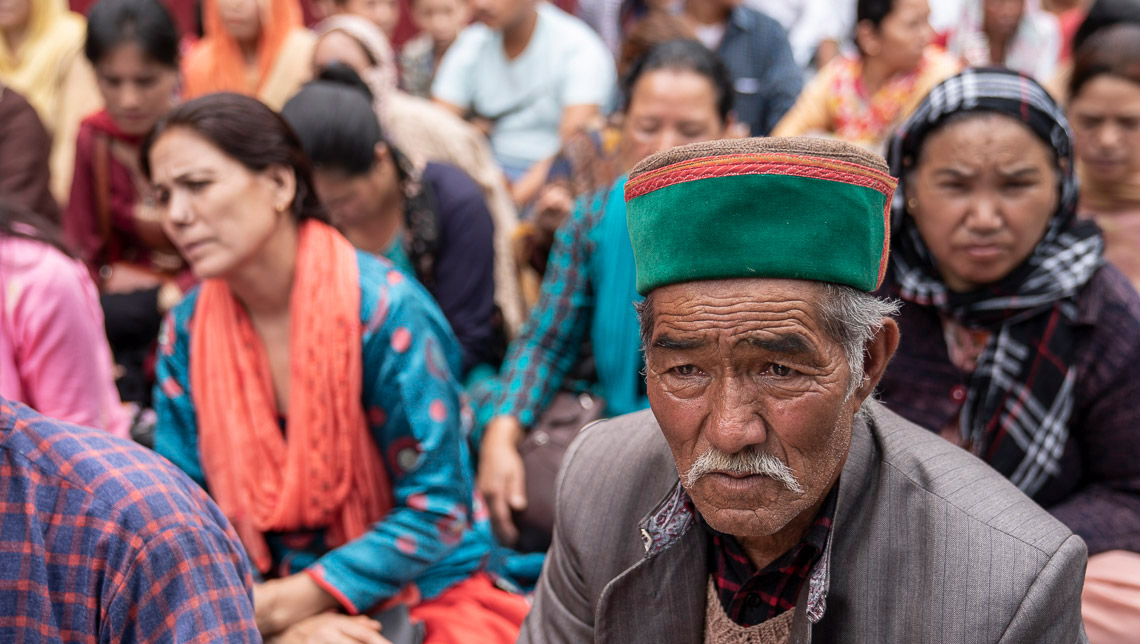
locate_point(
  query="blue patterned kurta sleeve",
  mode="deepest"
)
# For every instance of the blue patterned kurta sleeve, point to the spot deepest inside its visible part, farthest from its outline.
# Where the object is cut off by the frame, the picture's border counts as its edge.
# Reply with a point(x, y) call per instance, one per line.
point(548, 345)
point(410, 358)
point(412, 403)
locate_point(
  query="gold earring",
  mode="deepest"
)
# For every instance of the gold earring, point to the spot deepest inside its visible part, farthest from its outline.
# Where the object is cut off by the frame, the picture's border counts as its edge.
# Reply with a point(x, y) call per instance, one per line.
point(281, 207)
point(912, 204)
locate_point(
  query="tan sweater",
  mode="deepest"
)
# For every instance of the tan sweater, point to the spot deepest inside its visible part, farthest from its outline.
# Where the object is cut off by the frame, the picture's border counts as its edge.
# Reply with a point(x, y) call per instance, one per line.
point(720, 629)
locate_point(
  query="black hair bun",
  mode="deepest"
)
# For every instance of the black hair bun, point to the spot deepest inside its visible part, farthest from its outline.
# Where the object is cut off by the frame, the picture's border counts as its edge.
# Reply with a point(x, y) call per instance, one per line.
point(341, 74)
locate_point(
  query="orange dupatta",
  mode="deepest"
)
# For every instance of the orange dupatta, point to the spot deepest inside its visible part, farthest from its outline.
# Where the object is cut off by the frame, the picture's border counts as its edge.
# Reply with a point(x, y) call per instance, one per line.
point(216, 64)
point(325, 470)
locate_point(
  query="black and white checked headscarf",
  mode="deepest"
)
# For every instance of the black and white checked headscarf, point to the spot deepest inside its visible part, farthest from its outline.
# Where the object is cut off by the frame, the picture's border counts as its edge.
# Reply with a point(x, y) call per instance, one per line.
point(1020, 396)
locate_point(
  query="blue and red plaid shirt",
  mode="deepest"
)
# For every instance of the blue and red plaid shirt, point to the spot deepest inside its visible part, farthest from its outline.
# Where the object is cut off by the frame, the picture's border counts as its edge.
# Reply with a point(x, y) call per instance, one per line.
point(751, 596)
point(102, 540)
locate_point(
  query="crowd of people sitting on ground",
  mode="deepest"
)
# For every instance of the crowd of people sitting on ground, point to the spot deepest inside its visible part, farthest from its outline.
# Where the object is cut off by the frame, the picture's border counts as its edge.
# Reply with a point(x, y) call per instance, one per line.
point(482, 321)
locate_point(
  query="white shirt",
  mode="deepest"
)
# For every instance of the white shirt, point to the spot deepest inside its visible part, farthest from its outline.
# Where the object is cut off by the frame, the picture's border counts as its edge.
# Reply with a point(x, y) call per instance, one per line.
point(565, 63)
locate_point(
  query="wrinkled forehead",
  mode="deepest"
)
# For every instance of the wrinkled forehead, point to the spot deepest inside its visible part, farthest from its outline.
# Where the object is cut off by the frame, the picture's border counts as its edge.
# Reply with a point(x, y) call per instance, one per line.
point(734, 310)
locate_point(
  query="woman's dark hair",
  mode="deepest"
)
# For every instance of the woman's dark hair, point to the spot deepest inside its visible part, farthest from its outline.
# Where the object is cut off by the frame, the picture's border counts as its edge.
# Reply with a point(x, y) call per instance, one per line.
point(874, 11)
point(144, 22)
point(683, 55)
point(1103, 14)
point(18, 221)
point(334, 119)
point(247, 131)
point(1114, 51)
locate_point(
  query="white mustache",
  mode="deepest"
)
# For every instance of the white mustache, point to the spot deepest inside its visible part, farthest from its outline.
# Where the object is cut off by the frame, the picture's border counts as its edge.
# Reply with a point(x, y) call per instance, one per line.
point(746, 462)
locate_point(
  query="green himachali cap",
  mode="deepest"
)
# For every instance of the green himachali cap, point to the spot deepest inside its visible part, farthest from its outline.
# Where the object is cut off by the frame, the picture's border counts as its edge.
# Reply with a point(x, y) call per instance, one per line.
point(797, 208)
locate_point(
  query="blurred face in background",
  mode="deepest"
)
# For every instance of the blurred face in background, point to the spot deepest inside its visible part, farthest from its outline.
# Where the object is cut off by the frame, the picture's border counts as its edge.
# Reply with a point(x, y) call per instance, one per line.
point(136, 89)
point(501, 14)
point(900, 38)
point(667, 108)
point(1000, 18)
point(1105, 116)
point(14, 14)
point(241, 18)
point(442, 19)
point(385, 14)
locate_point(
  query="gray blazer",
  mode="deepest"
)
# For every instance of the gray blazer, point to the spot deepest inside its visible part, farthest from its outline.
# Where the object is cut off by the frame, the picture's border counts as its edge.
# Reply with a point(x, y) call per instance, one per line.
point(928, 545)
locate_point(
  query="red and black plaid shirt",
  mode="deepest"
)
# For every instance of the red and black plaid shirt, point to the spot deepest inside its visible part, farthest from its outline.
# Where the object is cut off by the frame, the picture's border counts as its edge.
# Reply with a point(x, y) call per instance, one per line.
point(750, 596)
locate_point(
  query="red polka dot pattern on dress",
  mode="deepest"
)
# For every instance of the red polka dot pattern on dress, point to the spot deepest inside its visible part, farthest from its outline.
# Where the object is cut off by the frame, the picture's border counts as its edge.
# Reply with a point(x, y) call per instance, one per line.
point(401, 340)
point(438, 411)
point(377, 416)
point(406, 544)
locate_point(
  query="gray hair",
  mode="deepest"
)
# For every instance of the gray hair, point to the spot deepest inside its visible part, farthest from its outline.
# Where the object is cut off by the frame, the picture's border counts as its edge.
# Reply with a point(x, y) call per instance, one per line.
point(849, 316)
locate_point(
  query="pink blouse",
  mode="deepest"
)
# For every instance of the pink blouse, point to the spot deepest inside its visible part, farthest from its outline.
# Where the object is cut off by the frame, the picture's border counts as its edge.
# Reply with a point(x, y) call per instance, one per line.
point(54, 354)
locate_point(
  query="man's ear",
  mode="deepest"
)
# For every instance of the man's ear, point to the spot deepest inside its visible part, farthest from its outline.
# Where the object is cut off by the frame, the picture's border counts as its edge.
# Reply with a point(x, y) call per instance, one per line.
point(876, 356)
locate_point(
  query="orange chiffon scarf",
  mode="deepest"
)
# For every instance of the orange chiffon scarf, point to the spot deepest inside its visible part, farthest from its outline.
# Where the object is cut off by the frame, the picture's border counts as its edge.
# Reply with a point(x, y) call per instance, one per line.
point(216, 63)
point(325, 470)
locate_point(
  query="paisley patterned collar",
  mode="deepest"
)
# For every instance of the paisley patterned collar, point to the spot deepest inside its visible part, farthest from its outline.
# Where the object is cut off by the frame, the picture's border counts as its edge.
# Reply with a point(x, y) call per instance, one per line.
point(675, 514)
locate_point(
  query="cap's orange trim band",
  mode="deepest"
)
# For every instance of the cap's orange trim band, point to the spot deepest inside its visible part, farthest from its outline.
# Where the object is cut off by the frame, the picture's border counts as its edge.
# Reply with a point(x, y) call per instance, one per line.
point(766, 163)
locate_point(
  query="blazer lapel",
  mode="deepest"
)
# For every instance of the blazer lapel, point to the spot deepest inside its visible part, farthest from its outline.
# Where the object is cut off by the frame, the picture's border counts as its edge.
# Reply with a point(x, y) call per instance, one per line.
point(661, 598)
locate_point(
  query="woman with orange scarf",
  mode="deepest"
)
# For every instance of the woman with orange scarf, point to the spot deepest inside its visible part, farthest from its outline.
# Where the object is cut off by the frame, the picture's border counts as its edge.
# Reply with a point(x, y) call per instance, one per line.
point(312, 390)
point(258, 48)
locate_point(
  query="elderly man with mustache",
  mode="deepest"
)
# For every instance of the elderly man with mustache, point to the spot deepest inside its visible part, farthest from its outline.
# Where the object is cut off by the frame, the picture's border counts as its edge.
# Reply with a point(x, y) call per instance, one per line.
point(774, 499)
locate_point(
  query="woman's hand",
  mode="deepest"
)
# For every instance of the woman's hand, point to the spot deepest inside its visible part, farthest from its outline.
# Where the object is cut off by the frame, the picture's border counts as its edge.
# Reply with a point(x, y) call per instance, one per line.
point(281, 603)
point(501, 476)
point(332, 628)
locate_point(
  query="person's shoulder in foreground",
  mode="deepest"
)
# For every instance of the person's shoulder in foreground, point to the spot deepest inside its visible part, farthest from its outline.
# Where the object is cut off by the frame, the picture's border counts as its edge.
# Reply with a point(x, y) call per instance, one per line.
point(933, 545)
point(103, 540)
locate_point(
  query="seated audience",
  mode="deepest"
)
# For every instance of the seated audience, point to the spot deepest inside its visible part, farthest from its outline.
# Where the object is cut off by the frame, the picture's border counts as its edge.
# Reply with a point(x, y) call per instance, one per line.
point(313, 390)
point(1018, 343)
point(766, 497)
point(106, 542)
point(254, 47)
point(431, 223)
point(40, 43)
point(862, 98)
point(1016, 34)
point(439, 22)
point(426, 132)
point(766, 78)
point(531, 76)
point(53, 351)
point(385, 14)
point(25, 154)
point(678, 93)
point(1104, 108)
point(110, 221)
